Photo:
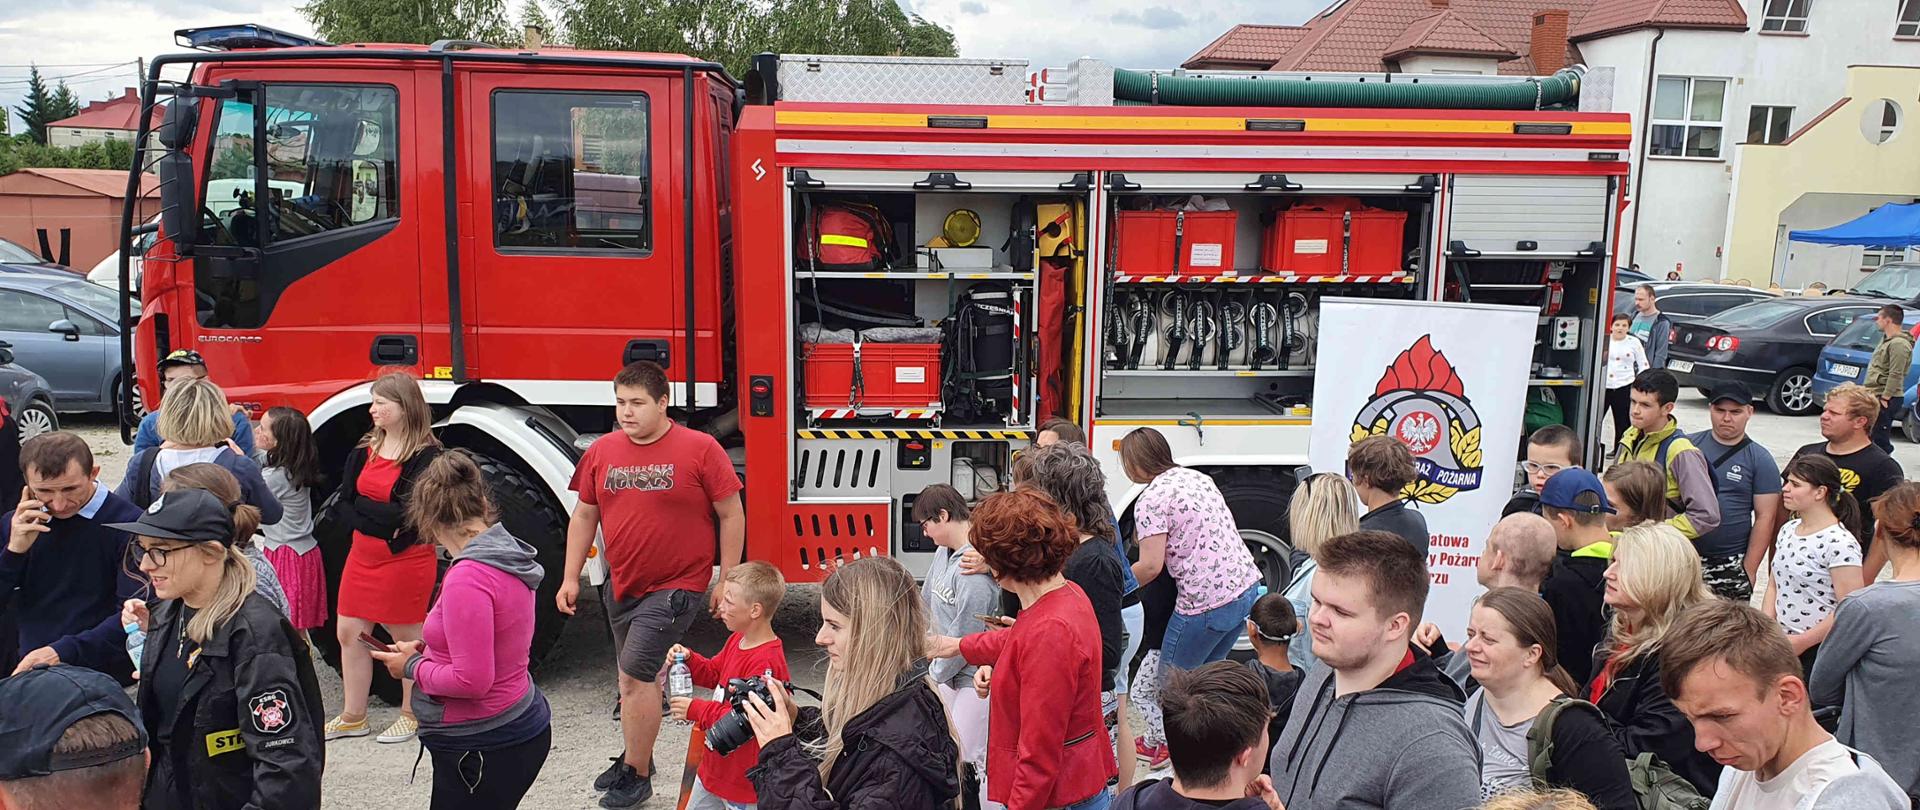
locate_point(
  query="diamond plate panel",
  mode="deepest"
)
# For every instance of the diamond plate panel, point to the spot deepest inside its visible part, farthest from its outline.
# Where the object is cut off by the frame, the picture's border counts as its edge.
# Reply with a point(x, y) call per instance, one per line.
point(903, 80)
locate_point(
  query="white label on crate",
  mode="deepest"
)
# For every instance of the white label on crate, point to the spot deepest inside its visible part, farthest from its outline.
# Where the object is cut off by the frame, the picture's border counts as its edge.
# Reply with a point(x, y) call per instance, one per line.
point(910, 374)
point(1204, 254)
point(1309, 245)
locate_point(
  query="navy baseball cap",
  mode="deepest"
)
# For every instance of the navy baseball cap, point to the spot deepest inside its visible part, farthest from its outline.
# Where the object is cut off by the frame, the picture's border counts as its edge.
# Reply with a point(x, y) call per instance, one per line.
point(42, 703)
point(193, 515)
point(1564, 489)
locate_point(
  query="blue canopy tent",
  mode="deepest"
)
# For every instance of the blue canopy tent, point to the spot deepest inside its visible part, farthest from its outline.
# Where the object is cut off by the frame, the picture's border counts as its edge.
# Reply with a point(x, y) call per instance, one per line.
point(1890, 225)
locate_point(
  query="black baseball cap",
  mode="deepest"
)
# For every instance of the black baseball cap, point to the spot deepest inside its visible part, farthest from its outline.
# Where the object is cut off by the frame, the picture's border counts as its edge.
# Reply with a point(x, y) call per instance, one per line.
point(182, 357)
point(1731, 389)
point(42, 703)
point(193, 515)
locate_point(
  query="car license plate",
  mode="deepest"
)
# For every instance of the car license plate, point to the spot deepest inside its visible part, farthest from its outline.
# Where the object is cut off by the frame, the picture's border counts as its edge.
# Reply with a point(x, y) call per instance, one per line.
point(1682, 366)
point(1844, 370)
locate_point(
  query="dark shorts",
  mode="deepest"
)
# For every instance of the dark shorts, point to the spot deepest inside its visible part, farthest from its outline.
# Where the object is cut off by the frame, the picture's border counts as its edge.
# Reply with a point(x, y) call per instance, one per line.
point(646, 627)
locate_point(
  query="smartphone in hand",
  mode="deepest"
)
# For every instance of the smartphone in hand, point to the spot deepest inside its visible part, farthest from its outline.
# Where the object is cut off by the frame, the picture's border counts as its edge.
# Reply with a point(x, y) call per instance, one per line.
point(376, 644)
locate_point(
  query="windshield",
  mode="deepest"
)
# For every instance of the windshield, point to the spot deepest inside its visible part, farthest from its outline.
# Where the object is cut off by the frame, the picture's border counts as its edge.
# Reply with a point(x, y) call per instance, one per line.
point(101, 300)
point(15, 254)
point(1899, 281)
point(1863, 334)
point(1755, 315)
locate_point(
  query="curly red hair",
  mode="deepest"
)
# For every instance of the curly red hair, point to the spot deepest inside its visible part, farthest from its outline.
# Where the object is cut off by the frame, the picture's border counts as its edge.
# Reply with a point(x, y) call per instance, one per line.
point(1024, 535)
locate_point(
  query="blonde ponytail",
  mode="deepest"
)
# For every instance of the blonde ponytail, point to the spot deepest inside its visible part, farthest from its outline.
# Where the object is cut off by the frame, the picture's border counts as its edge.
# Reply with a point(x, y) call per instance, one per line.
point(236, 584)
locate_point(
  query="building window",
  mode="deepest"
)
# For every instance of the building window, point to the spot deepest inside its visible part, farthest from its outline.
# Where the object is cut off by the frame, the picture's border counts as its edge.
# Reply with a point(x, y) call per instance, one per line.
point(1687, 116)
point(1768, 124)
point(1909, 19)
point(1873, 257)
point(1788, 16)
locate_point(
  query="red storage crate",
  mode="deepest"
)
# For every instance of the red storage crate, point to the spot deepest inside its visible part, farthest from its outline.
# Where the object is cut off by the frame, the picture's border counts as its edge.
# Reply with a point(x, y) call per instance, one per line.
point(1148, 242)
point(892, 375)
point(1334, 236)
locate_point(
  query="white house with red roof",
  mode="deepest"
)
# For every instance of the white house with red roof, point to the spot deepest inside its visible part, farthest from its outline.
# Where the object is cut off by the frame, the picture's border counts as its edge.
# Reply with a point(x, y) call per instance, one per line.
point(117, 118)
point(1702, 78)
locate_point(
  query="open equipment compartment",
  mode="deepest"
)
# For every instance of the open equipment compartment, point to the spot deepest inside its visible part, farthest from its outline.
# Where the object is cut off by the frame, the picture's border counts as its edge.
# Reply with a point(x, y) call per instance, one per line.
point(1237, 338)
point(1541, 241)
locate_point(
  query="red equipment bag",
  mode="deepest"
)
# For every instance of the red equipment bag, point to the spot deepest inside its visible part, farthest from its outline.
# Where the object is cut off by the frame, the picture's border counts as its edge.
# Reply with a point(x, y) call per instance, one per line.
point(1334, 236)
point(845, 236)
point(1055, 336)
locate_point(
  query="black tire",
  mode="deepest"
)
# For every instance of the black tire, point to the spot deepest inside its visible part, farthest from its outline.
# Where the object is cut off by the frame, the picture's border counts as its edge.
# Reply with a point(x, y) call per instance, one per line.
point(1258, 499)
point(527, 513)
point(37, 417)
point(1910, 423)
point(1705, 392)
point(129, 417)
point(1792, 393)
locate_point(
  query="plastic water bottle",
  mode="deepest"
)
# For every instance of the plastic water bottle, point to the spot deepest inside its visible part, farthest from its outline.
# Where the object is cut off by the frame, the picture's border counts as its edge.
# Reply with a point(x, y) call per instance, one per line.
point(680, 678)
point(136, 643)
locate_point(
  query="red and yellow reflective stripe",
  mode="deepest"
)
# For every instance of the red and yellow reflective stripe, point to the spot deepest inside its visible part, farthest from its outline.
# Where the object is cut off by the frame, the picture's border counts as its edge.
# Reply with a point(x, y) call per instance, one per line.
point(1503, 126)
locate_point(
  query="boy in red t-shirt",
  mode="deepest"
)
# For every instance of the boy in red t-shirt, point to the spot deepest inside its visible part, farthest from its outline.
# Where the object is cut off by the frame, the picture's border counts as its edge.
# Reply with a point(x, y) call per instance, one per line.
point(749, 597)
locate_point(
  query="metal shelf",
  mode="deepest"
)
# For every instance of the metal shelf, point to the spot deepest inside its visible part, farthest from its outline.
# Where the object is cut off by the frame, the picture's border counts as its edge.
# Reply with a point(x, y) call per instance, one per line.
point(1259, 277)
point(1162, 373)
point(915, 275)
point(1557, 382)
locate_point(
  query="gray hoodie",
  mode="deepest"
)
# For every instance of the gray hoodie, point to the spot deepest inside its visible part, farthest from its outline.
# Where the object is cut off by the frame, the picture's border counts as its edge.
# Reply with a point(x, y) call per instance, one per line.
point(496, 548)
point(953, 600)
point(1403, 744)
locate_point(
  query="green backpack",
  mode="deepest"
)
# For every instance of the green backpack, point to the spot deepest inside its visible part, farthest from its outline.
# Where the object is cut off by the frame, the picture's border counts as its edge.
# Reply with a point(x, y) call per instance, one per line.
point(1655, 785)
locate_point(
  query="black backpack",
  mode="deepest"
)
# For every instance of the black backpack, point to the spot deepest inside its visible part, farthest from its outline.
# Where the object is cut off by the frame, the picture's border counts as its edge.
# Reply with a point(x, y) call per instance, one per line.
point(979, 356)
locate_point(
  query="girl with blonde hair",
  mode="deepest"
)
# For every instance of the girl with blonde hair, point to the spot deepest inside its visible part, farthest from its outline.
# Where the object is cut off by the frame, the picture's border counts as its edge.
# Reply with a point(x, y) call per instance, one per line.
point(196, 425)
point(218, 654)
point(884, 738)
point(1324, 506)
point(390, 570)
point(1654, 577)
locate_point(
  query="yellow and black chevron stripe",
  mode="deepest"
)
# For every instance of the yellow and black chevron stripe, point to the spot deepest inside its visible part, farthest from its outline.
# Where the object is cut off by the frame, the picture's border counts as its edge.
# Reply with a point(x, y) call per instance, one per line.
point(916, 433)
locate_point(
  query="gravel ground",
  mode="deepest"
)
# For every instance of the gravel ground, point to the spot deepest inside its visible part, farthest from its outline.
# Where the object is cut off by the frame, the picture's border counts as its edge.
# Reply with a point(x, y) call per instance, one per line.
point(578, 677)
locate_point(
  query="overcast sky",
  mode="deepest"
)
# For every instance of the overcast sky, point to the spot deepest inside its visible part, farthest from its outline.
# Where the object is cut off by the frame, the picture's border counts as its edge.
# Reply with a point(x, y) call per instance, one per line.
point(83, 39)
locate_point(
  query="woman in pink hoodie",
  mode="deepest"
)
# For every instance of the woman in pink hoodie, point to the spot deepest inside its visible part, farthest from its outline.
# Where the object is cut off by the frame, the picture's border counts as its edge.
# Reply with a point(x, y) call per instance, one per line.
point(485, 723)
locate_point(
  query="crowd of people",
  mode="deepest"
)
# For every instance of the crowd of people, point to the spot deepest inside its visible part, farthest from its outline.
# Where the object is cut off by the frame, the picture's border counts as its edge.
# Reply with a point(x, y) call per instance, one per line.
point(1614, 660)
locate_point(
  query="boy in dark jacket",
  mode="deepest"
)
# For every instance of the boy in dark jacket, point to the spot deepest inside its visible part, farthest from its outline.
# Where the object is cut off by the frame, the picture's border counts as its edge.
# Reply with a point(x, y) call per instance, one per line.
point(1271, 626)
point(1549, 450)
point(1576, 504)
point(1216, 719)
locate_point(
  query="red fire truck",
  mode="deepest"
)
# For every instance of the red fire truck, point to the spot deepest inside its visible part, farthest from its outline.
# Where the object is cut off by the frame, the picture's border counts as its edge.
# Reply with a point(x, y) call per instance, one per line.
point(864, 275)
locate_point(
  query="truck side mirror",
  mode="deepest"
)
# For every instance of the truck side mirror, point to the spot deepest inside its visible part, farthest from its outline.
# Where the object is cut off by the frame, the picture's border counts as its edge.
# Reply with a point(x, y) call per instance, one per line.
point(6, 353)
point(66, 328)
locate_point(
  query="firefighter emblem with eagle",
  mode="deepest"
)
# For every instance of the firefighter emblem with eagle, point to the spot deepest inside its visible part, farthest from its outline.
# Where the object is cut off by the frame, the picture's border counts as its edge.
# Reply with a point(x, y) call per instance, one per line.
point(1422, 402)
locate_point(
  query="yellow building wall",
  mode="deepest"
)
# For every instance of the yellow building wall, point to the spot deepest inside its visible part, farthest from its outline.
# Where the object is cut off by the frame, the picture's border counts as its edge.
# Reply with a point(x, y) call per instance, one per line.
point(1829, 156)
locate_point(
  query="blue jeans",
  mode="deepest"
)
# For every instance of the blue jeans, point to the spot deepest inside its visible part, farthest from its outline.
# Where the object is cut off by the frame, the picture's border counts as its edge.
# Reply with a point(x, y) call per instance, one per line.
point(1098, 801)
point(1205, 637)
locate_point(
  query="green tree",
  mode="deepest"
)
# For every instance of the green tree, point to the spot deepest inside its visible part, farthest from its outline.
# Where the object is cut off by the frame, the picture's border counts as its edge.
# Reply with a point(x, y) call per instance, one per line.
point(65, 105)
point(112, 153)
point(418, 21)
point(732, 31)
point(39, 108)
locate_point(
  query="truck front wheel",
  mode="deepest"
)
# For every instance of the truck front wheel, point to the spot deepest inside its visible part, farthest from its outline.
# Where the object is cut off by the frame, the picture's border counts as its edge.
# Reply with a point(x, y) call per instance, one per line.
point(1258, 499)
point(526, 510)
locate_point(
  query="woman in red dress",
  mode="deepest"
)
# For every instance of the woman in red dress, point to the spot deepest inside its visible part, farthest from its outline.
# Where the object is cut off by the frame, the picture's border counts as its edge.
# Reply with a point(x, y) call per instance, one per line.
point(389, 576)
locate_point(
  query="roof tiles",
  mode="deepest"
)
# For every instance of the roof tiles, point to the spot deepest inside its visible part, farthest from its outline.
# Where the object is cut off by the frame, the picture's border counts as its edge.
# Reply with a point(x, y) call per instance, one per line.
point(1446, 32)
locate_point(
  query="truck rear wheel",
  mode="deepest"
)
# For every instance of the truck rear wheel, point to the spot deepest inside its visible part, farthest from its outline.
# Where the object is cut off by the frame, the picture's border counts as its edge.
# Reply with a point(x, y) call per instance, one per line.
point(1258, 499)
point(527, 512)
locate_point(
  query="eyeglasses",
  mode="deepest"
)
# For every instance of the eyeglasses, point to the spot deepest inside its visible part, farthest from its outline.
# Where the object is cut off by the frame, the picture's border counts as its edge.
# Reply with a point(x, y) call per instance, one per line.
point(157, 555)
point(1549, 469)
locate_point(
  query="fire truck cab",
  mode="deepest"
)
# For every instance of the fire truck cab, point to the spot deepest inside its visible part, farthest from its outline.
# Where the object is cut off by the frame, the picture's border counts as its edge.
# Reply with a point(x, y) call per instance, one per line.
point(864, 275)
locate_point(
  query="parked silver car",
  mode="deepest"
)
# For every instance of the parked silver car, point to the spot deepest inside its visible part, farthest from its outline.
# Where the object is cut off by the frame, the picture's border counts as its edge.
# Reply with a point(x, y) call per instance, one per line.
point(67, 331)
point(27, 396)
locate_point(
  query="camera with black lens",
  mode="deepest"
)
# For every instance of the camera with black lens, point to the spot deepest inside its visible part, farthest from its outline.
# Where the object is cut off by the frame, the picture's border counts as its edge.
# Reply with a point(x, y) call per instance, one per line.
point(734, 730)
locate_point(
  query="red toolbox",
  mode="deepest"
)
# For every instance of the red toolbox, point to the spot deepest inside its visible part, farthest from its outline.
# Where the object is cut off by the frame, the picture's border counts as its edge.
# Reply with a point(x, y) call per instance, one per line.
point(1334, 236)
point(890, 375)
point(1150, 243)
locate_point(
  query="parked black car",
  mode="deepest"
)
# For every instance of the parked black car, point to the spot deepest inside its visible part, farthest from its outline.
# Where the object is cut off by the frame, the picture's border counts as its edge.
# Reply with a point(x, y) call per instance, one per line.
point(1772, 346)
point(1690, 301)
